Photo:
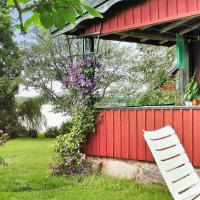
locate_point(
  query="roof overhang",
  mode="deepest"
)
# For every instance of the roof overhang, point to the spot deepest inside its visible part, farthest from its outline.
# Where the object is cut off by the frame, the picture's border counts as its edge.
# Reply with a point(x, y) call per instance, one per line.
point(101, 5)
point(140, 21)
point(159, 34)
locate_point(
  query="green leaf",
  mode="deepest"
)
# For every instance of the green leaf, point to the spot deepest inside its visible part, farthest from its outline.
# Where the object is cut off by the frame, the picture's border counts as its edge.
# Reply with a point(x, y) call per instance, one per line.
point(36, 19)
point(195, 86)
point(69, 14)
point(17, 26)
point(23, 1)
point(58, 20)
point(10, 3)
point(79, 10)
point(93, 11)
point(29, 21)
point(48, 8)
point(190, 97)
point(46, 19)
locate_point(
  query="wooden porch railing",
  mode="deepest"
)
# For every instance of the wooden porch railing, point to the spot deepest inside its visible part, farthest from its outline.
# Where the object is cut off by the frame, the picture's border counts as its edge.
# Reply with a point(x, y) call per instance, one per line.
point(119, 131)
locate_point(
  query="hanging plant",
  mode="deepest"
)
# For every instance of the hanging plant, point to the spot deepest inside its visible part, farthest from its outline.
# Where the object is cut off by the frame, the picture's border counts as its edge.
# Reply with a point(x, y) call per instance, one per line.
point(82, 82)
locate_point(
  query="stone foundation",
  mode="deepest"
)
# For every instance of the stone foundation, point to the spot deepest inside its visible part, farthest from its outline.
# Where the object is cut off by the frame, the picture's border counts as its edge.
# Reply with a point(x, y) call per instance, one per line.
point(126, 169)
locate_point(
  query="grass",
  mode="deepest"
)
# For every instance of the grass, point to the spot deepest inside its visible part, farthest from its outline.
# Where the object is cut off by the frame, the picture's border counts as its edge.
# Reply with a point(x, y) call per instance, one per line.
point(26, 178)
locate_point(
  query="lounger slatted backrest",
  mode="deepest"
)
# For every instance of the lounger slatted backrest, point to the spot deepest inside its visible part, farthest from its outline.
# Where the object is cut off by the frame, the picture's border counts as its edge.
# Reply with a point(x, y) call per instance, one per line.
point(174, 164)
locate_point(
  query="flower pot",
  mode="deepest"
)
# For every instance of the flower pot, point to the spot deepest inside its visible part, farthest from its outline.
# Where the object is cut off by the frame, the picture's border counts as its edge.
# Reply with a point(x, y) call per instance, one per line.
point(195, 102)
point(188, 103)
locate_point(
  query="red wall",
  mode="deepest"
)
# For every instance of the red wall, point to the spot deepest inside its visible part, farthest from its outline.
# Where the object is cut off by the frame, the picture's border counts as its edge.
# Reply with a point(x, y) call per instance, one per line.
point(119, 132)
point(146, 13)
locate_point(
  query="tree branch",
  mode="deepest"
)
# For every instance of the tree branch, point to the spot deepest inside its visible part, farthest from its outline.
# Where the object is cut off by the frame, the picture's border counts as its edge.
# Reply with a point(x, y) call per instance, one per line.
point(20, 16)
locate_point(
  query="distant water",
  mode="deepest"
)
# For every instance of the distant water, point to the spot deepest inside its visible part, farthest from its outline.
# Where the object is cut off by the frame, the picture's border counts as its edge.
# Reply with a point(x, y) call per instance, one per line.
point(53, 119)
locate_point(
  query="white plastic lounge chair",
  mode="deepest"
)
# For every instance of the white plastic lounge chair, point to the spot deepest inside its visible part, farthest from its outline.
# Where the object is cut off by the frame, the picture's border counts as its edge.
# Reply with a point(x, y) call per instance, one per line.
point(176, 169)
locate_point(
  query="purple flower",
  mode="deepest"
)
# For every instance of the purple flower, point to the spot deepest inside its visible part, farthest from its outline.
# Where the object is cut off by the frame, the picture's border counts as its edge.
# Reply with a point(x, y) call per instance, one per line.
point(79, 83)
point(56, 171)
point(81, 79)
point(88, 62)
point(98, 63)
point(65, 78)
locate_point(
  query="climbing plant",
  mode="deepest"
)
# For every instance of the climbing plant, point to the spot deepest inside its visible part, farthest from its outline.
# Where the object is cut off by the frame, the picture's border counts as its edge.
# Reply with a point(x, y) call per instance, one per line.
point(82, 82)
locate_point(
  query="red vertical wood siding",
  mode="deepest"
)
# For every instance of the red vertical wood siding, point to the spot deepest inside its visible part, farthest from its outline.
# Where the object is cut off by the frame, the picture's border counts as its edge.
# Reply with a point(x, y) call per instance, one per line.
point(141, 153)
point(119, 133)
point(196, 138)
point(187, 138)
point(110, 133)
point(150, 125)
point(133, 135)
point(102, 134)
point(146, 13)
point(178, 123)
point(125, 133)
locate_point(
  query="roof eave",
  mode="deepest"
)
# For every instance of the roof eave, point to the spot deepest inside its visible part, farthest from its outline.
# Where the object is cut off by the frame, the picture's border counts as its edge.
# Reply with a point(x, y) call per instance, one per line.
point(102, 8)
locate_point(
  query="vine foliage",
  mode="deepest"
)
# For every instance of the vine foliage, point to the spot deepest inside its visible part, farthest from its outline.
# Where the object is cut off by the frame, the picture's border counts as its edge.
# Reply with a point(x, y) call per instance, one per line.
point(82, 82)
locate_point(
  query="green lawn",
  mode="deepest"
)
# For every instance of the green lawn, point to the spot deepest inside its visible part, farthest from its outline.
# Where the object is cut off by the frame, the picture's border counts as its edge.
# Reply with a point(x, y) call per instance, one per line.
point(26, 178)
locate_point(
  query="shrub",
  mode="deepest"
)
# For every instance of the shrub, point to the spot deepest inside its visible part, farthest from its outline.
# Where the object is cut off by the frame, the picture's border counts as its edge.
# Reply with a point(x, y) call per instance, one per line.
point(167, 98)
point(67, 158)
point(24, 132)
point(3, 137)
point(65, 127)
point(153, 98)
point(14, 132)
point(32, 133)
point(52, 132)
point(40, 135)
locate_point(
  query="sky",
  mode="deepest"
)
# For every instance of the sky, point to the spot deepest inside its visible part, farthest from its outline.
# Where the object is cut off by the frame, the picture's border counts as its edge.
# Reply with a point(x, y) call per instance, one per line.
point(31, 92)
point(18, 37)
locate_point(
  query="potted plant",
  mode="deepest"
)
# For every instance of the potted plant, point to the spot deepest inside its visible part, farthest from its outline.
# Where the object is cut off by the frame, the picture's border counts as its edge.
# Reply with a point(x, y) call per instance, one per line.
point(191, 93)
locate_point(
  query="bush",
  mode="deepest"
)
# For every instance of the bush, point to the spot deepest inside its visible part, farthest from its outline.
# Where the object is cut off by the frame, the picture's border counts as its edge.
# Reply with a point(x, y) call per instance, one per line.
point(40, 135)
point(24, 132)
point(67, 158)
point(52, 132)
point(32, 133)
point(167, 98)
point(14, 132)
point(3, 137)
point(65, 127)
point(153, 98)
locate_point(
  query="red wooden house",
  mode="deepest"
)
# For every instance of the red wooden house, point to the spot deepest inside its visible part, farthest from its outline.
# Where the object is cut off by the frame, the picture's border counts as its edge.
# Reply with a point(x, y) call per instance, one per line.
point(119, 130)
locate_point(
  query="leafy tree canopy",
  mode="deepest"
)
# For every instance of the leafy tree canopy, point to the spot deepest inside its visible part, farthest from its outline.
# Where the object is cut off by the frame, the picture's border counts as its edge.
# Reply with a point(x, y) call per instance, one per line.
point(10, 70)
point(45, 62)
point(13, 114)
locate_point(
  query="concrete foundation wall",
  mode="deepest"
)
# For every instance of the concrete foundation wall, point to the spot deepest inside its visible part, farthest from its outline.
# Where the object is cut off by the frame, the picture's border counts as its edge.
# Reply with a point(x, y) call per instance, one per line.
point(125, 169)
